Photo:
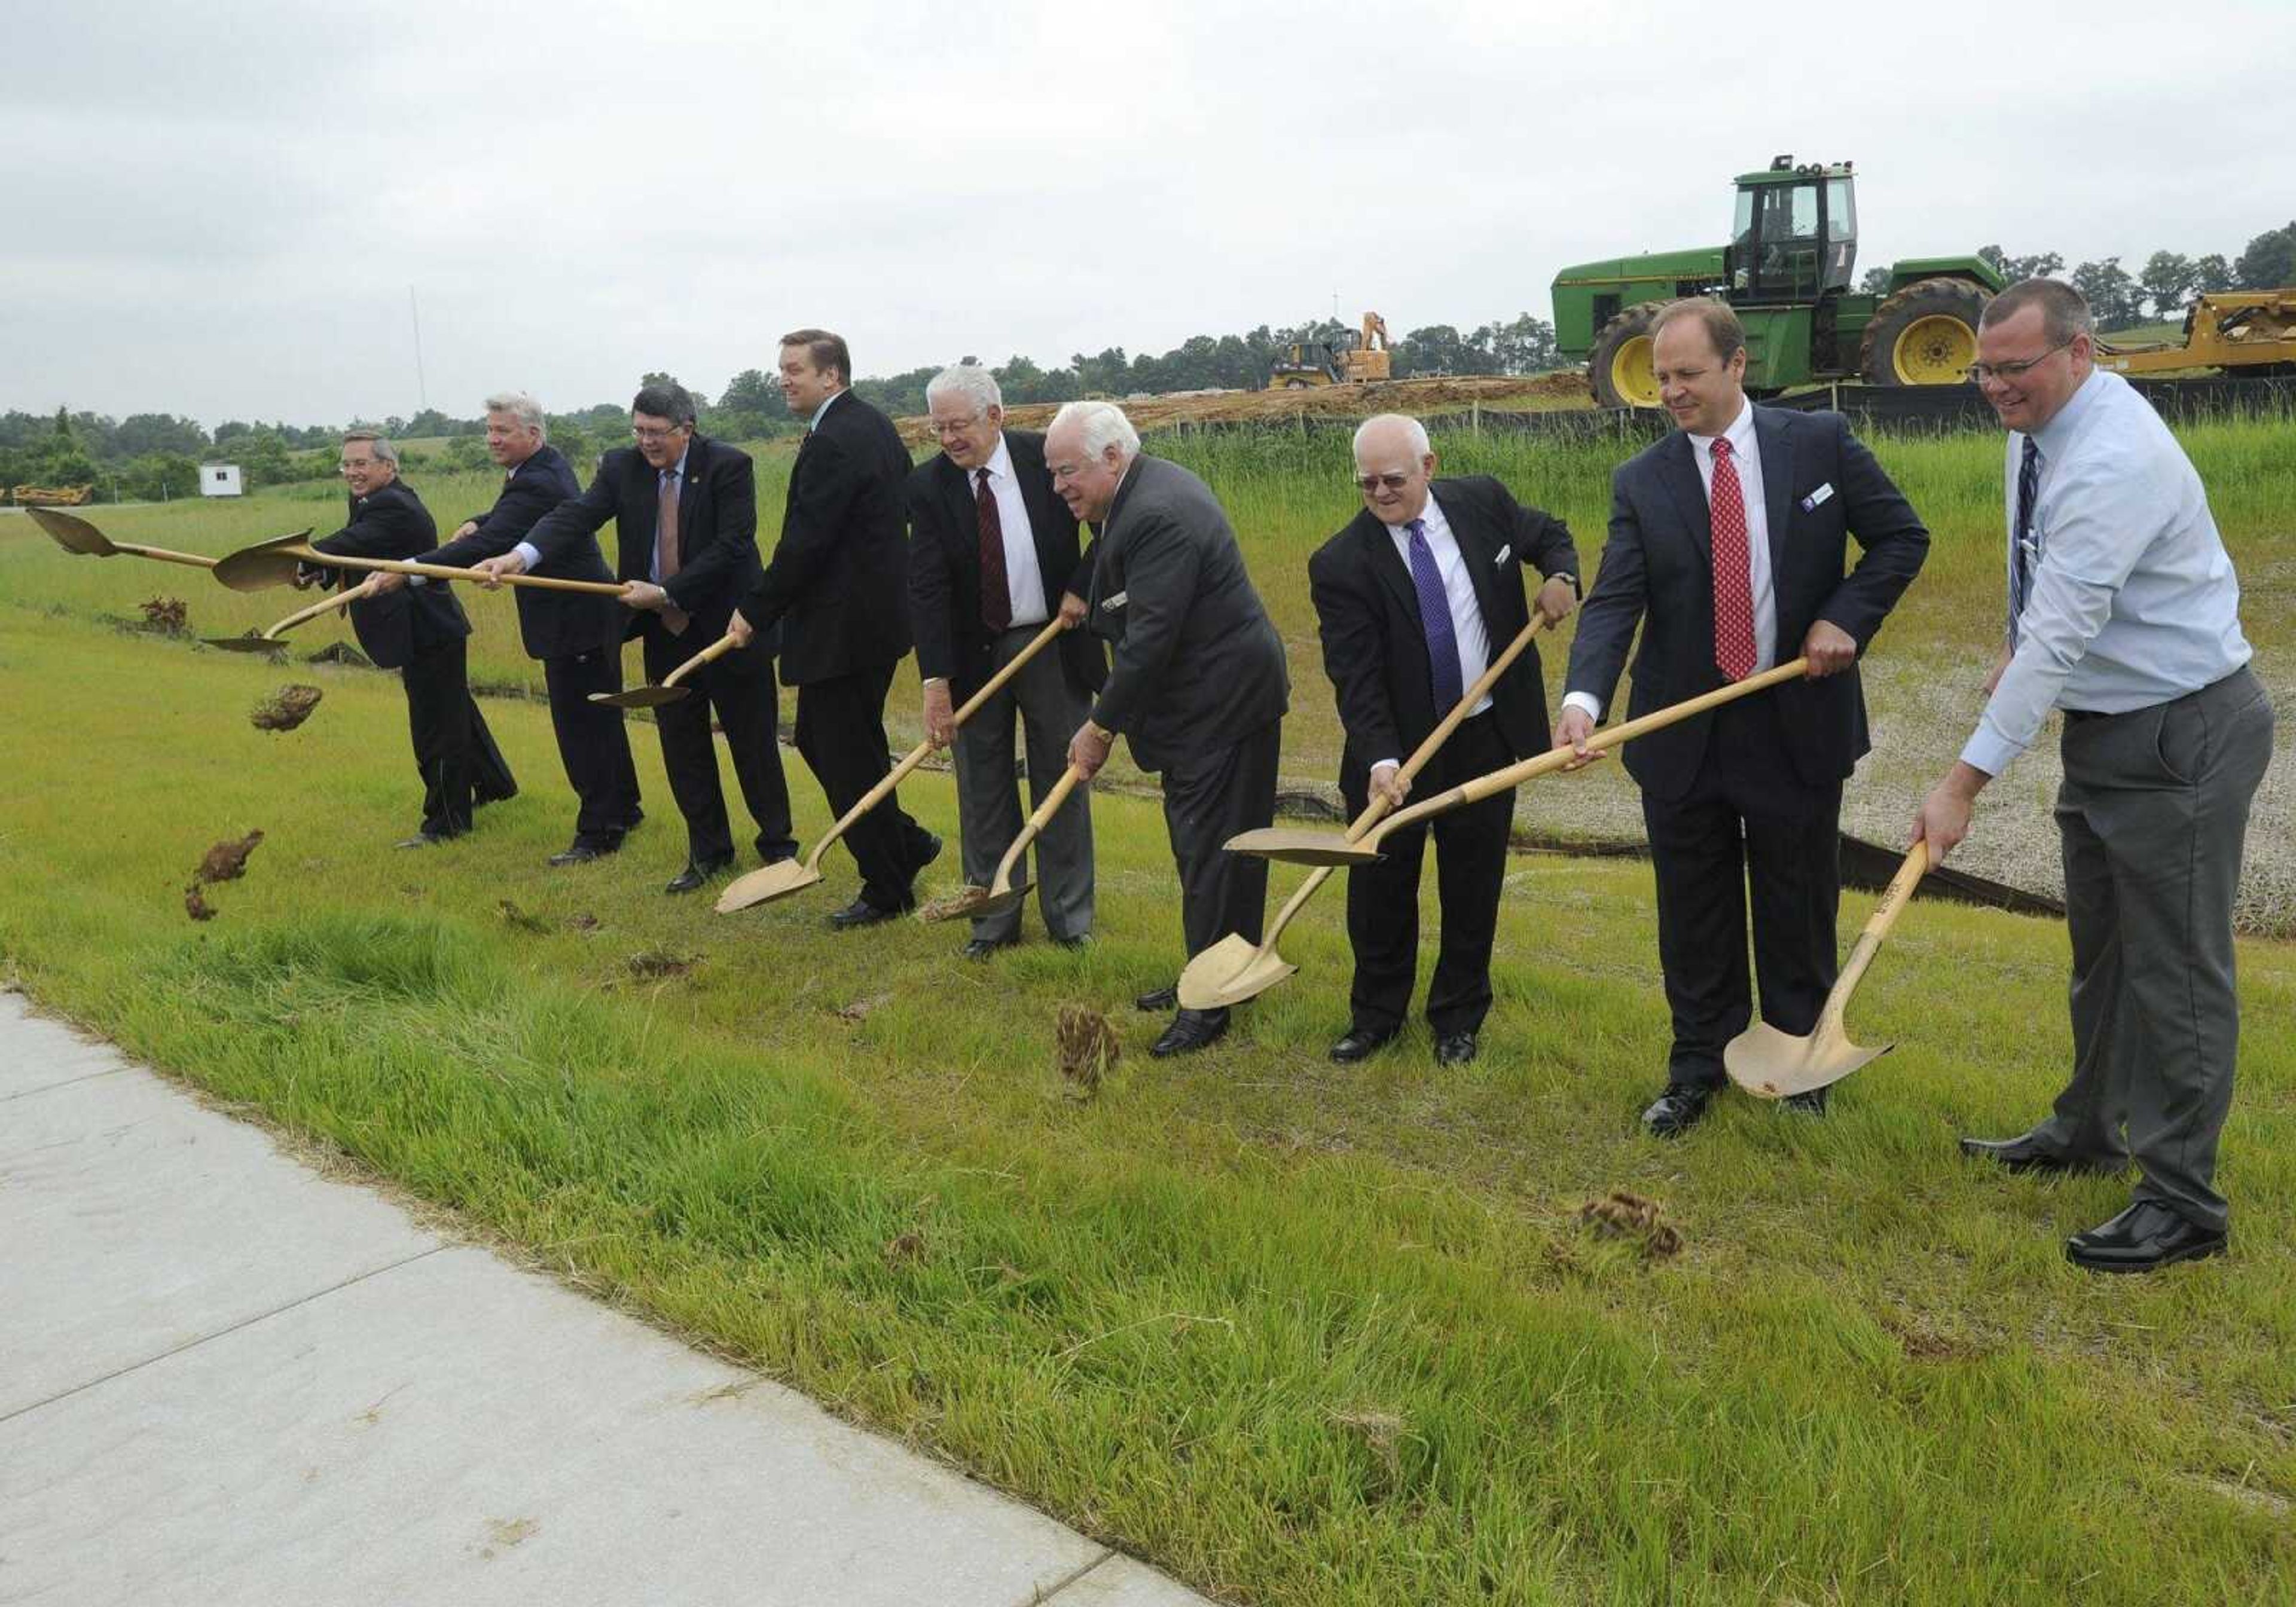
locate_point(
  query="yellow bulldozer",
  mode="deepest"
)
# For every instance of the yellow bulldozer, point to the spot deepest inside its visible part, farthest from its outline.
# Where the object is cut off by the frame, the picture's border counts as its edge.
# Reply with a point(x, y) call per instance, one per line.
point(52, 497)
point(1358, 359)
point(2241, 332)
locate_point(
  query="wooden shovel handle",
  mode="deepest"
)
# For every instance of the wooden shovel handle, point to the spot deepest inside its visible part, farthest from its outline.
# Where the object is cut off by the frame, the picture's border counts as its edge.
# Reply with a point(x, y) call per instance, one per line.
point(996, 683)
point(717, 650)
point(166, 556)
point(1035, 823)
point(1556, 759)
point(440, 571)
point(339, 600)
point(1894, 899)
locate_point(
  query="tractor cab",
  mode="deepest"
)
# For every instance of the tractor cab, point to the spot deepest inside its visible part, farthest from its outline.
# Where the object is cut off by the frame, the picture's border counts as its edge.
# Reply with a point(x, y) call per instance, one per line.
point(1794, 236)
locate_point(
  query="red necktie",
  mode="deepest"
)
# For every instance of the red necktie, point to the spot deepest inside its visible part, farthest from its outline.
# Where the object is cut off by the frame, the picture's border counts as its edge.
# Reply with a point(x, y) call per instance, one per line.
point(1734, 584)
point(996, 591)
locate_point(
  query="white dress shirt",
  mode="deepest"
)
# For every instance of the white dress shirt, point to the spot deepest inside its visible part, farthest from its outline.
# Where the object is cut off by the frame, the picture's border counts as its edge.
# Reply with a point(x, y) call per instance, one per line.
point(2132, 600)
point(1023, 578)
point(1746, 453)
point(1458, 591)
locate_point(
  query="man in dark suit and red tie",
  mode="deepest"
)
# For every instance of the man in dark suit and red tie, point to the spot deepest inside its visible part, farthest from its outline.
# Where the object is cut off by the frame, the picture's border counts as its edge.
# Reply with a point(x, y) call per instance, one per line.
point(685, 509)
point(1414, 598)
point(838, 587)
point(1727, 543)
point(993, 558)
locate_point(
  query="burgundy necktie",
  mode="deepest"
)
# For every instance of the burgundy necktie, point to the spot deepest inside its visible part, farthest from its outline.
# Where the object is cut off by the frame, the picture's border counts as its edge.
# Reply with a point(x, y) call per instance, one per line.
point(665, 550)
point(996, 591)
point(1733, 583)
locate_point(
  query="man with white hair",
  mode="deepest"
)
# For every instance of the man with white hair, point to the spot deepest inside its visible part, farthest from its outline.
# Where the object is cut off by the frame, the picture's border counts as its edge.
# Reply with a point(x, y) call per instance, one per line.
point(1197, 685)
point(577, 636)
point(1414, 598)
point(992, 557)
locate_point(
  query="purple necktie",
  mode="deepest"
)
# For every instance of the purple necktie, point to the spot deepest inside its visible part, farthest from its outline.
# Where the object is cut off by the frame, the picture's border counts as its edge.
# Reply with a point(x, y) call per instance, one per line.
point(1435, 615)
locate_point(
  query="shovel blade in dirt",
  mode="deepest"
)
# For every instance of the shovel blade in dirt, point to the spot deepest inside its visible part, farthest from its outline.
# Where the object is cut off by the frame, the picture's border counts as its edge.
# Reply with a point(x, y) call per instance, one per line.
point(768, 882)
point(1231, 971)
point(1296, 846)
point(272, 645)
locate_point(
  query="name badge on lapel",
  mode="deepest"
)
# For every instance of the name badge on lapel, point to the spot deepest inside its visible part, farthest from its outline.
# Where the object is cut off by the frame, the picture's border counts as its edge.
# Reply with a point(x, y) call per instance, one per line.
point(1505, 553)
point(1825, 493)
point(1114, 601)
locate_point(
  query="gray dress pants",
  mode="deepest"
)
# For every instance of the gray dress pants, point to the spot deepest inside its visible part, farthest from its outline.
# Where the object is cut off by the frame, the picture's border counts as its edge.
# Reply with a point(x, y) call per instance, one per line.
point(1049, 708)
point(2152, 814)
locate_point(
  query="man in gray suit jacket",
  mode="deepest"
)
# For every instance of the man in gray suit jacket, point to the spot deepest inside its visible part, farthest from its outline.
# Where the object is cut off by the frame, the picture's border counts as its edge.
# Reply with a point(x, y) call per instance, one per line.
point(1197, 684)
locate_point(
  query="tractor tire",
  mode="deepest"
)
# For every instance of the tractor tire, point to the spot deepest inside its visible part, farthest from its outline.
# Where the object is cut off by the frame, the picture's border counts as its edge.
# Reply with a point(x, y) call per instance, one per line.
point(1619, 367)
point(1295, 383)
point(1926, 335)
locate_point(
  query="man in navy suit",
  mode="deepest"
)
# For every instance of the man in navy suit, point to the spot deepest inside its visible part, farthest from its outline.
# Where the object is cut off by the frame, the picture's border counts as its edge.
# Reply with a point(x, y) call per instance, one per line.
point(578, 638)
point(993, 558)
point(1728, 543)
point(1415, 597)
point(685, 509)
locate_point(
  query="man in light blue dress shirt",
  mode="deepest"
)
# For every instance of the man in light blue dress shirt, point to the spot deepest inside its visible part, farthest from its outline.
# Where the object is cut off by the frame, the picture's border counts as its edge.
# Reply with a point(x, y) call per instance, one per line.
point(2124, 613)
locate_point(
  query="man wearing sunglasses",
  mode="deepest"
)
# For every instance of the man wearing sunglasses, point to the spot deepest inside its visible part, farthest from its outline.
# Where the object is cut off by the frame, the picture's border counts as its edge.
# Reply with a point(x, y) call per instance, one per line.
point(2125, 614)
point(1414, 598)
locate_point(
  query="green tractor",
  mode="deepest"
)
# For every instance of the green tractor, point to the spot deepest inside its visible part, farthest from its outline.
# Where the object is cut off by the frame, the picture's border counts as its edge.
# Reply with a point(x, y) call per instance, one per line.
point(1787, 272)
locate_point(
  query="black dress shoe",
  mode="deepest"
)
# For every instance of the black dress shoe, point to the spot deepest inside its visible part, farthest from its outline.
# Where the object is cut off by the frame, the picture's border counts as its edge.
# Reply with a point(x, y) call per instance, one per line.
point(1677, 1111)
point(2146, 1235)
point(1456, 1048)
point(982, 949)
point(2027, 1152)
point(584, 850)
point(1160, 1001)
point(862, 913)
point(1082, 939)
point(697, 874)
point(1361, 1044)
point(1811, 1103)
point(1191, 1030)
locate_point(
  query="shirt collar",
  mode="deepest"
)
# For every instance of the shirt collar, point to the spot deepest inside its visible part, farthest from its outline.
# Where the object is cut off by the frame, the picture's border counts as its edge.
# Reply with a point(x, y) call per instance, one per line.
point(826, 404)
point(677, 470)
point(2054, 437)
point(1431, 516)
point(1000, 462)
point(1740, 434)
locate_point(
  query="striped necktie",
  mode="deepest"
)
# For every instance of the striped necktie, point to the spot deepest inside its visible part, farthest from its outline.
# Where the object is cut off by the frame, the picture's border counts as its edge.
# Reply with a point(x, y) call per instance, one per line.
point(2022, 540)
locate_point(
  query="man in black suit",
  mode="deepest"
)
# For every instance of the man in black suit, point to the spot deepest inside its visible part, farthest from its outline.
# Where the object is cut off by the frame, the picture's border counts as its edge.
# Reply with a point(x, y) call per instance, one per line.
point(1198, 684)
point(992, 557)
point(421, 632)
point(1728, 541)
point(1415, 597)
point(577, 638)
point(685, 509)
point(838, 587)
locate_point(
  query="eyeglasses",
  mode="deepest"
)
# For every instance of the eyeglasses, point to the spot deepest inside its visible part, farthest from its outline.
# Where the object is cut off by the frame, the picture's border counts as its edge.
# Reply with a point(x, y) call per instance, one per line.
point(1978, 372)
point(946, 427)
point(1369, 483)
point(651, 436)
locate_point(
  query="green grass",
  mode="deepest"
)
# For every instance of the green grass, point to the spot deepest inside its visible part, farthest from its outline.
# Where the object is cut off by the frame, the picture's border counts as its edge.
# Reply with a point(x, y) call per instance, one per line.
point(1300, 1335)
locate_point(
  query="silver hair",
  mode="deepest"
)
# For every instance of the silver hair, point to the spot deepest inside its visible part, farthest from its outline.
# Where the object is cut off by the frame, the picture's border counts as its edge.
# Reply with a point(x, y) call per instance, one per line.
point(378, 445)
point(1412, 427)
point(524, 407)
point(1102, 425)
point(969, 380)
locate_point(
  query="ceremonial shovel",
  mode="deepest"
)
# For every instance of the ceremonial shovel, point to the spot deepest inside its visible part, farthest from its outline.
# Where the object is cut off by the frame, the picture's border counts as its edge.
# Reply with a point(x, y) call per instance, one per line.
point(1235, 969)
point(1771, 1064)
point(787, 876)
point(274, 563)
point(1299, 847)
point(1000, 895)
point(75, 534)
point(268, 641)
point(669, 690)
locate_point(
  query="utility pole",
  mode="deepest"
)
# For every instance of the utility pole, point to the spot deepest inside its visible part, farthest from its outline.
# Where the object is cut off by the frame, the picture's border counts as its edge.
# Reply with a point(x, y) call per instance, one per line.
point(421, 389)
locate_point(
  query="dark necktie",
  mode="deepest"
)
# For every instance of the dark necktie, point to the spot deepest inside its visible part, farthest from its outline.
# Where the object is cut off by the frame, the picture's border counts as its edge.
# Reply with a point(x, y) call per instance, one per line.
point(665, 549)
point(1435, 617)
point(995, 590)
point(1735, 652)
point(2021, 540)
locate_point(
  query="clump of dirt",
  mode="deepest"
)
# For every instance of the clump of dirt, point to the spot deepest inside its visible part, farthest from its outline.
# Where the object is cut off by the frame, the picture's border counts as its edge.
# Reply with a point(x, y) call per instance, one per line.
point(660, 964)
point(960, 902)
point(906, 1250)
point(858, 1010)
point(195, 904)
point(340, 652)
point(1088, 1048)
point(166, 615)
point(1625, 1216)
point(585, 921)
point(226, 861)
point(524, 920)
point(285, 709)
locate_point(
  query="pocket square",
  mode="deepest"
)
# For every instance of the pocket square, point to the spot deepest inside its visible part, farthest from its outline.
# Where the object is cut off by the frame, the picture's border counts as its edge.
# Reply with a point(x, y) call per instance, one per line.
point(1505, 553)
point(1114, 601)
point(1825, 493)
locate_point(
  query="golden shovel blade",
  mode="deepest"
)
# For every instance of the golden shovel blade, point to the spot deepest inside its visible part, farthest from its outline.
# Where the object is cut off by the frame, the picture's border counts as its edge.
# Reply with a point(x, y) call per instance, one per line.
point(976, 903)
point(644, 697)
point(778, 880)
point(272, 645)
point(263, 565)
point(1294, 845)
point(1230, 971)
point(1771, 1064)
point(73, 533)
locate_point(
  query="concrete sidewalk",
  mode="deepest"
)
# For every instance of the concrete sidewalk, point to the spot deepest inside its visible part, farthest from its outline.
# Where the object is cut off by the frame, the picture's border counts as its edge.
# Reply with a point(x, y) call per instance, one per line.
point(223, 1379)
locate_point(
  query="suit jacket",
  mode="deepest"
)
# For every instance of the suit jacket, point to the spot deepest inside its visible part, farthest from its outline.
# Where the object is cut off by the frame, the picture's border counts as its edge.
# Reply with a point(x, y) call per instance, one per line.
point(716, 531)
point(944, 568)
point(839, 580)
point(553, 625)
point(1197, 662)
point(396, 626)
point(1375, 641)
point(1657, 568)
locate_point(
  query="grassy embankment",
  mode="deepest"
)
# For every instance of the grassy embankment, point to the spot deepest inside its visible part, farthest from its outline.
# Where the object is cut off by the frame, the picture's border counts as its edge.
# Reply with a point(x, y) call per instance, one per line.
point(1302, 1335)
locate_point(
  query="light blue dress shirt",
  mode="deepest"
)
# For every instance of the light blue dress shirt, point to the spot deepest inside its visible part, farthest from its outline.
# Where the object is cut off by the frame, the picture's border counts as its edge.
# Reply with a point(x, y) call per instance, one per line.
point(2133, 601)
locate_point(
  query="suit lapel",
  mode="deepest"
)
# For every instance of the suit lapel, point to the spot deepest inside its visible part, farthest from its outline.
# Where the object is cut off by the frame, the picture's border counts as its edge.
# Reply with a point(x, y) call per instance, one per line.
point(1475, 552)
point(1776, 448)
point(1678, 471)
point(1387, 563)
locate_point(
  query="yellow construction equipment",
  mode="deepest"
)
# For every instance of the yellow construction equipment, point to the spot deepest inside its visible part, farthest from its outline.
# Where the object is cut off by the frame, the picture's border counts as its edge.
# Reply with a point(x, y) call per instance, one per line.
point(1315, 363)
point(2241, 331)
point(52, 497)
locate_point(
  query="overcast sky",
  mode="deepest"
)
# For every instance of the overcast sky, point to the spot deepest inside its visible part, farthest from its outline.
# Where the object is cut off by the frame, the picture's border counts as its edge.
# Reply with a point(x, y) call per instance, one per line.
point(218, 210)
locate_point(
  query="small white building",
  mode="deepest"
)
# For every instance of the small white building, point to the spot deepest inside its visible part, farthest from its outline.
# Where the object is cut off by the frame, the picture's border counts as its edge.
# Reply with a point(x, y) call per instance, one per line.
point(220, 480)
